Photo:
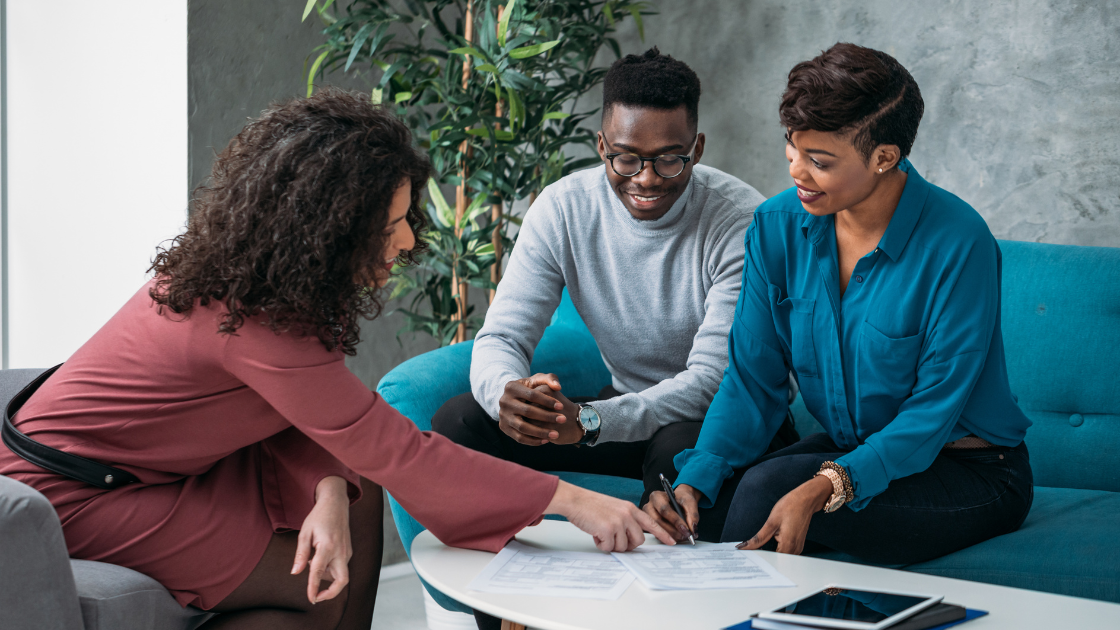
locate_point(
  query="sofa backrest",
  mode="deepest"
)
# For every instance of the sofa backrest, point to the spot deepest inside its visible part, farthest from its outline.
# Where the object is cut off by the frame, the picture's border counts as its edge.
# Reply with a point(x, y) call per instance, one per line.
point(1061, 329)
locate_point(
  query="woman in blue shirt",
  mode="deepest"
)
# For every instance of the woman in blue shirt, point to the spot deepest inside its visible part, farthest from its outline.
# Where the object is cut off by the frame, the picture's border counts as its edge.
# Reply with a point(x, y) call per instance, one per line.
point(881, 293)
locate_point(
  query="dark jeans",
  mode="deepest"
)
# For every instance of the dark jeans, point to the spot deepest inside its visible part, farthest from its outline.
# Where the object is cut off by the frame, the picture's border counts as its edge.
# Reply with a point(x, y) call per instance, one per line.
point(463, 421)
point(965, 497)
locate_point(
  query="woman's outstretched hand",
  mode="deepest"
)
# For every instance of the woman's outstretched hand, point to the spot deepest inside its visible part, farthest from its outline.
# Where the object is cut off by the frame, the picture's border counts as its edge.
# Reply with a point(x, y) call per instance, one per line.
point(789, 520)
point(326, 530)
point(662, 512)
point(616, 525)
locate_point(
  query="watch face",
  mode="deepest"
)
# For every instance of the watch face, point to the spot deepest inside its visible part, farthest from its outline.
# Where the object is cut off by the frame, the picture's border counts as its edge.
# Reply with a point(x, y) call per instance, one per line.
point(588, 418)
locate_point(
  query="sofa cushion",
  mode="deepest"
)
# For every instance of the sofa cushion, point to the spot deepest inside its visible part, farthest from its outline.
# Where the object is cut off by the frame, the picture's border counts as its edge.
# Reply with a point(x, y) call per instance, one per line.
point(1067, 545)
point(1061, 330)
point(116, 598)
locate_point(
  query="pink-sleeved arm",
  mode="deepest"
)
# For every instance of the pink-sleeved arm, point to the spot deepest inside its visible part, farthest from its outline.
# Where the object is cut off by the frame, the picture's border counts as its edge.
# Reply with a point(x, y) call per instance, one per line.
point(466, 498)
point(292, 466)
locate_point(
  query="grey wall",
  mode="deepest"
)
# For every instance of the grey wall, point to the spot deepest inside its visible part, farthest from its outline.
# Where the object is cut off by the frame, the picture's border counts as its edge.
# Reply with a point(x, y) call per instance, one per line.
point(243, 56)
point(1022, 97)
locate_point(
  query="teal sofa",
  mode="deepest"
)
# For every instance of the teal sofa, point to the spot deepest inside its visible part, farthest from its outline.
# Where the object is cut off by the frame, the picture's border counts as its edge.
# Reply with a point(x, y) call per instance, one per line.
point(1061, 327)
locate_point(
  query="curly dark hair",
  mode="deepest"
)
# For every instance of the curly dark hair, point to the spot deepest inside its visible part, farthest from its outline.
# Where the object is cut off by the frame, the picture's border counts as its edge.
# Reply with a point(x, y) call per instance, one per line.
point(858, 90)
point(652, 80)
point(290, 226)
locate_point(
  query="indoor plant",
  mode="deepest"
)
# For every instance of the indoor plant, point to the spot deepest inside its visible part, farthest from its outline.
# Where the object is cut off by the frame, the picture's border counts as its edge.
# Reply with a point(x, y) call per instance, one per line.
point(489, 89)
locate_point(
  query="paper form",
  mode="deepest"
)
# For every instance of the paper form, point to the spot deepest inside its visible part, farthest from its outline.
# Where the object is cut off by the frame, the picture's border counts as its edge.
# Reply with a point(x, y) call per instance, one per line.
point(706, 565)
point(521, 569)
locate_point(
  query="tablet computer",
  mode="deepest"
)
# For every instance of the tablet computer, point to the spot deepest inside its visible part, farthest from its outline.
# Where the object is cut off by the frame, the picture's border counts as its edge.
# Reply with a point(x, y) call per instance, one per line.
point(851, 608)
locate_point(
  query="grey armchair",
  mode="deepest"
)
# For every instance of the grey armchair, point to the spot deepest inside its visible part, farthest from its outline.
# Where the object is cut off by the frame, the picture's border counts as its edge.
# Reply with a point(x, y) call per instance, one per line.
point(42, 587)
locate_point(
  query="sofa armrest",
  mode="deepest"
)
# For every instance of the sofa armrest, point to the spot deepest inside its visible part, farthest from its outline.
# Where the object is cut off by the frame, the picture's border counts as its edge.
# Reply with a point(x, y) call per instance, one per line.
point(36, 583)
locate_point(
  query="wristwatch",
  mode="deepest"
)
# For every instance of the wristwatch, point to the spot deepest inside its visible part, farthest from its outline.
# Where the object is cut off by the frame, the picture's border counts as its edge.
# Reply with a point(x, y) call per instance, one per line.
point(590, 421)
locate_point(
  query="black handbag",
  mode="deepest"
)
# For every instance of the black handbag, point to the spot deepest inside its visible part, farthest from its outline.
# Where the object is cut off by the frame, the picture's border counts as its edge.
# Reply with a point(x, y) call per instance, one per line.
point(54, 460)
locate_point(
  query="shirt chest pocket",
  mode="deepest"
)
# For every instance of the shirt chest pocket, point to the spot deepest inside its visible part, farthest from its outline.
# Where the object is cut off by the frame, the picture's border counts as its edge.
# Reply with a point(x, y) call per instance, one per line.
point(799, 313)
point(888, 366)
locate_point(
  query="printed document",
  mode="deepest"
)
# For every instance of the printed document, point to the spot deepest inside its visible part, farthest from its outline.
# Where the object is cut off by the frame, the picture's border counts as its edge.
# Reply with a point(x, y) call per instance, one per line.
point(706, 565)
point(521, 569)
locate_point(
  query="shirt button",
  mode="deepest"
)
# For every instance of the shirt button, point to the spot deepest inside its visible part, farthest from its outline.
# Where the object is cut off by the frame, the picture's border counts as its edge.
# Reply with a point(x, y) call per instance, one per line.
point(859, 278)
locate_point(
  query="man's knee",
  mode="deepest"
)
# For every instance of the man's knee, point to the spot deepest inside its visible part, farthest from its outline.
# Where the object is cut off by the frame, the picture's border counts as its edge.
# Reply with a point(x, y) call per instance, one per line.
point(671, 439)
point(457, 417)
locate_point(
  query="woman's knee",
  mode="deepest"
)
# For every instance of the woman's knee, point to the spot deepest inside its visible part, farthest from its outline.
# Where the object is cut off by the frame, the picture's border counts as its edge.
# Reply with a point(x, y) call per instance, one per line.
point(760, 489)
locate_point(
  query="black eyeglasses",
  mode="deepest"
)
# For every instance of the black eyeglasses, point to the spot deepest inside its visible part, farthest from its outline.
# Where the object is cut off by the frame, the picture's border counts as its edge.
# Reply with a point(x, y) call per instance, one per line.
point(666, 166)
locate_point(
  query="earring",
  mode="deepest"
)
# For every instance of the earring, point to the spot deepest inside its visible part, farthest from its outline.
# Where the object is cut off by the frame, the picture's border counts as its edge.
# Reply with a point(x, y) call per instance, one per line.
point(880, 170)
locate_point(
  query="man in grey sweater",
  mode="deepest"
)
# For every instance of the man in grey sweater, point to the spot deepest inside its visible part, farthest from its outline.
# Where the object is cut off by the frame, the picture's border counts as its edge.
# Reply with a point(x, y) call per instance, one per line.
point(650, 248)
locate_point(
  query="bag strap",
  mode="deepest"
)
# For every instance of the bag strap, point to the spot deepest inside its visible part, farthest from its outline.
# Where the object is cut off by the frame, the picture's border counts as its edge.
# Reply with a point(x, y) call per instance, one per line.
point(54, 460)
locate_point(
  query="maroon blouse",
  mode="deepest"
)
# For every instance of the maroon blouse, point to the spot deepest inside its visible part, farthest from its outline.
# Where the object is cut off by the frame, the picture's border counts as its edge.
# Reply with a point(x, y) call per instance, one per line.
point(229, 435)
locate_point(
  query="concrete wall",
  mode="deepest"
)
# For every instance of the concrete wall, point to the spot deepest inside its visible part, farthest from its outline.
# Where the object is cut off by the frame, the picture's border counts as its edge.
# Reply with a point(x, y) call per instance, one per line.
point(242, 56)
point(1022, 97)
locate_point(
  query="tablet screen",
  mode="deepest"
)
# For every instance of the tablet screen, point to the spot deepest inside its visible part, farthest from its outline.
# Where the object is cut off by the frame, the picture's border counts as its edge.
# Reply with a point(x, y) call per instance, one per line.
point(865, 606)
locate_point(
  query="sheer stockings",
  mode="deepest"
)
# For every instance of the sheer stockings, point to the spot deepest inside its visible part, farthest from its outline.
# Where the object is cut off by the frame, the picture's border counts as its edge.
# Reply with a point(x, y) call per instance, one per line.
point(273, 599)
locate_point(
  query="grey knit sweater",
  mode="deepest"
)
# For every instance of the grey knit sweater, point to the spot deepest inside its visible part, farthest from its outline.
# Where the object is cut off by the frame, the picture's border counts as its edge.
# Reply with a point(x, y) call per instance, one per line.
point(658, 296)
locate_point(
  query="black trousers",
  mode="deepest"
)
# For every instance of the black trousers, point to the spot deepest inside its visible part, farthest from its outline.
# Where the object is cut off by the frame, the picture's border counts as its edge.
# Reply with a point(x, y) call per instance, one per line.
point(463, 421)
point(965, 497)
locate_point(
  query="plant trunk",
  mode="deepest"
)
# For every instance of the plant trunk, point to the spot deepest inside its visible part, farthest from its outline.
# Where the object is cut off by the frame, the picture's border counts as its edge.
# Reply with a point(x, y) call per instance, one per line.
point(496, 209)
point(458, 287)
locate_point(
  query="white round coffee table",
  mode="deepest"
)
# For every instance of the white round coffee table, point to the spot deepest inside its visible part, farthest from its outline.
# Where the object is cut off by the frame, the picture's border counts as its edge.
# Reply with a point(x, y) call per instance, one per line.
point(451, 570)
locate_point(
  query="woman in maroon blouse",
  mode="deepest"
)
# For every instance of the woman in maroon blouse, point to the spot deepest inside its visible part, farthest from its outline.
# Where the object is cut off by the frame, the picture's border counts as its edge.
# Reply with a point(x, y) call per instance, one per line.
point(221, 386)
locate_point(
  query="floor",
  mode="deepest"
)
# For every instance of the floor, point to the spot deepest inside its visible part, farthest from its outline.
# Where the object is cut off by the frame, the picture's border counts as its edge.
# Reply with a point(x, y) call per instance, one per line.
point(400, 603)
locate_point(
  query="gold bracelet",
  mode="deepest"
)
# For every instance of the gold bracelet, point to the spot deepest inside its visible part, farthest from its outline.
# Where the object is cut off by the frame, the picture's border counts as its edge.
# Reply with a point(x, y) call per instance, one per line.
point(843, 475)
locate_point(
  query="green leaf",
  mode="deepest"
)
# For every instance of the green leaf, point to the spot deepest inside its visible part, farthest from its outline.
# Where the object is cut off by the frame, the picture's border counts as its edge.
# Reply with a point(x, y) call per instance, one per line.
point(484, 132)
point(503, 24)
point(637, 13)
point(307, 9)
point(467, 50)
point(485, 250)
point(477, 207)
point(359, 40)
point(376, 96)
point(326, 5)
point(516, 109)
point(609, 13)
point(315, 69)
point(556, 116)
point(402, 97)
point(487, 67)
point(443, 211)
point(532, 51)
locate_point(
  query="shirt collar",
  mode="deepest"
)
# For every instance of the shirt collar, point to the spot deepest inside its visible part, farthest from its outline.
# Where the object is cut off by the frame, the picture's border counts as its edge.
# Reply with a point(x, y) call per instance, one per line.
point(903, 221)
point(907, 213)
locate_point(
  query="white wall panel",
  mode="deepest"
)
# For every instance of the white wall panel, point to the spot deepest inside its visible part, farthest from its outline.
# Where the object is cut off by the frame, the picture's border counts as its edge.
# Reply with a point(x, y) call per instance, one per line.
point(97, 162)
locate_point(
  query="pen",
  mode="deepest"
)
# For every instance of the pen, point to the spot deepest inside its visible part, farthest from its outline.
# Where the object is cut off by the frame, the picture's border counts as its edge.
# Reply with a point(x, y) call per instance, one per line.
point(676, 506)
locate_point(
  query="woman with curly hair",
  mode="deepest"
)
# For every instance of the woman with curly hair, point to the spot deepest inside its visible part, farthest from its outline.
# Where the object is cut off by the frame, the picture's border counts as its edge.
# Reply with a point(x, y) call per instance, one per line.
point(221, 388)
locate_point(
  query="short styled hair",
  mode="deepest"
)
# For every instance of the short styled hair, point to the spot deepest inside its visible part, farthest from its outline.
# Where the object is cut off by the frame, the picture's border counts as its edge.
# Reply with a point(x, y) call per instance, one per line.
point(652, 80)
point(858, 90)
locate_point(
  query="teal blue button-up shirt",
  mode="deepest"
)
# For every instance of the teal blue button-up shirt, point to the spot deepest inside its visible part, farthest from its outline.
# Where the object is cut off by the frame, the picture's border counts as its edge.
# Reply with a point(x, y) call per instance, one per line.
point(909, 358)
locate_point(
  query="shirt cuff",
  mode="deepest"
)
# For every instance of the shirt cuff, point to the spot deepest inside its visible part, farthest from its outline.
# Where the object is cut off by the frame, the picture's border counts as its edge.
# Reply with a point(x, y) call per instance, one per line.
point(867, 473)
point(492, 390)
point(703, 471)
point(612, 428)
